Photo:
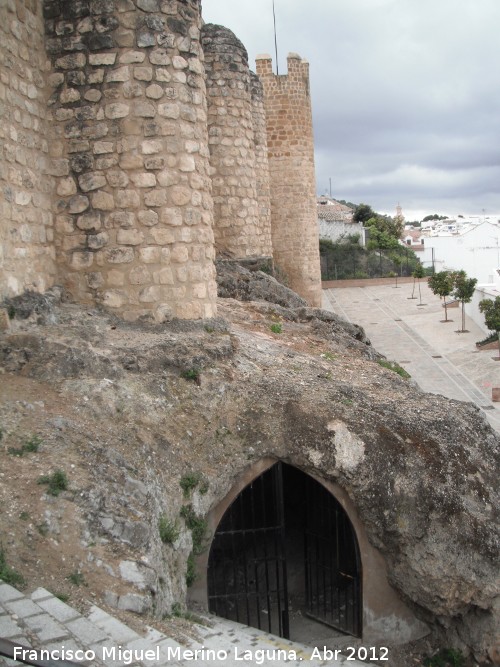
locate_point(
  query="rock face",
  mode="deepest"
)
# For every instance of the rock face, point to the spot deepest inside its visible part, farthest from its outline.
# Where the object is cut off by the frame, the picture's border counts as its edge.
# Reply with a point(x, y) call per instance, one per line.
point(129, 411)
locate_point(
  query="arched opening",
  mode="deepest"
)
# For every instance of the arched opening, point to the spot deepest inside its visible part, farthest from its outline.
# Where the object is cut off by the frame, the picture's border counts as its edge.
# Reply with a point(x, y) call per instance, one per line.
point(285, 550)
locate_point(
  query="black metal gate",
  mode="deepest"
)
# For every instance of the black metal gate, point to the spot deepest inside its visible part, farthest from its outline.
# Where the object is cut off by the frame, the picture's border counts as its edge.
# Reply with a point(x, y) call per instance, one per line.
point(332, 563)
point(247, 567)
point(247, 579)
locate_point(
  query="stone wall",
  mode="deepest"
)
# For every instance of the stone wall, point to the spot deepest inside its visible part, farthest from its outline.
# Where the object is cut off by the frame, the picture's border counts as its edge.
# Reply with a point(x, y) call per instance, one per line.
point(107, 177)
point(26, 175)
point(134, 217)
point(263, 183)
point(291, 166)
point(239, 229)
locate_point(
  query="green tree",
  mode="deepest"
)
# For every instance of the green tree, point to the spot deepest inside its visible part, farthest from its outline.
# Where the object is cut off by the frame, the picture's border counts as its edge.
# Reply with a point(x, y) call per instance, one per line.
point(463, 291)
point(441, 284)
point(491, 312)
point(362, 213)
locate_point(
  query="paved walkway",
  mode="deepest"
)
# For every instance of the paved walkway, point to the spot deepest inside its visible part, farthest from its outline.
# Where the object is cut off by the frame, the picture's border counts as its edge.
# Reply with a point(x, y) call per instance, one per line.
point(438, 358)
point(44, 621)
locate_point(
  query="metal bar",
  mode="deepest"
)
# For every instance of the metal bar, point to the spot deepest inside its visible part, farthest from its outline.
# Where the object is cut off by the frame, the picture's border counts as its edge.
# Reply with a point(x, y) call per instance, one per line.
point(255, 563)
point(264, 516)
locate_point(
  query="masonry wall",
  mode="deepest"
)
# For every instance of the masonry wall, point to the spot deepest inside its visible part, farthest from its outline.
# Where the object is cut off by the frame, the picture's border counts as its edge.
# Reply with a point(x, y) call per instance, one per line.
point(233, 105)
point(291, 165)
point(27, 257)
point(262, 177)
point(134, 209)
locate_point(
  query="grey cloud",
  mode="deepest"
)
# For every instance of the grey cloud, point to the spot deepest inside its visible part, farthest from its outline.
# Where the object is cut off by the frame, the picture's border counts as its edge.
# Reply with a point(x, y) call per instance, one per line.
point(406, 97)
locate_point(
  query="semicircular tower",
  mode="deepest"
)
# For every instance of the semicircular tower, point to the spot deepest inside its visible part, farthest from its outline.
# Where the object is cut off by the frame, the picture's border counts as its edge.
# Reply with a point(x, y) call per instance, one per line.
point(134, 213)
point(235, 145)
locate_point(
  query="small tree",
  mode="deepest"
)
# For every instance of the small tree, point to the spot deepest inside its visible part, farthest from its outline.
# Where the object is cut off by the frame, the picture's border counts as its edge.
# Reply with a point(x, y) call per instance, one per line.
point(417, 275)
point(441, 284)
point(491, 311)
point(464, 291)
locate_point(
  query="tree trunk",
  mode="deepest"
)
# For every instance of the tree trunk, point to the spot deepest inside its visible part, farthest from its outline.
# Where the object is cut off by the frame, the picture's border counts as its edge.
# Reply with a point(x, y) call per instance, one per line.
point(445, 310)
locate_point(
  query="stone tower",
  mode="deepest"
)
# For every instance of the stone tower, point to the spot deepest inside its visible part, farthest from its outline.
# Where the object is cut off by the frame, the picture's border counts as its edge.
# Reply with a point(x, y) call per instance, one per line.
point(107, 177)
point(233, 107)
point(134, 213)
point(292, 176)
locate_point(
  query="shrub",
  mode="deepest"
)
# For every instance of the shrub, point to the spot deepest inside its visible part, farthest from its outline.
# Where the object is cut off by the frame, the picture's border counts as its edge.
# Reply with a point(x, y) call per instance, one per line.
point(169, 531)
point(192, 374)
point(8, 574)
point(189, 482)
point(447, 657)
point(56, 482)
point(276, 328)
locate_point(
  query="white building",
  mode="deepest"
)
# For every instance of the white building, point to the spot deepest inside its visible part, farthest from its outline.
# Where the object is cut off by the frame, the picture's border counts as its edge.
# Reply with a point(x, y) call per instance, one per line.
point(474, 248)
point(490, 291)
point(335, 221)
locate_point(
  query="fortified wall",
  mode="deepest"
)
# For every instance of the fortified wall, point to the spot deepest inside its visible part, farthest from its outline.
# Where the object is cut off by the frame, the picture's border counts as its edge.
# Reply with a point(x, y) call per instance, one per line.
point(137, 145)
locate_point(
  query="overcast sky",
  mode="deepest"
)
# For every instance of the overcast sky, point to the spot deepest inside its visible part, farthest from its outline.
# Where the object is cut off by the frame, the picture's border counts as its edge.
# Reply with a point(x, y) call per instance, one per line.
point(405, 94)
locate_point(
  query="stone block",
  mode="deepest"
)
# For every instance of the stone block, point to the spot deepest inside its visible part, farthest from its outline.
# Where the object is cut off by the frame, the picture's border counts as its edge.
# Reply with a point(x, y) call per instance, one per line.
point(69, 95)
point(139, 275)
point(97, 241)
point(155, 198)
point(150, 294)
point(127, 199)
point(118, 75)
point(180, 195)
point(116, 110)
point(143, 180)
point(92, 95)
point(102, 147)
point(151, 146)
point(129, 237)
point(162, 236)
point(120, 219)
point(92, 181)
point(171, 216)
point(130, 57)
point(149, 254)
point(71, 62)
point(89, 221)
point(144, 110)
point(168, 110)
point(103, 201)
point(78, 204)
point(148, 218)
point(119, 255)
point(66, 187)
point(81, 259)
point(154, 91)
point(114, 298)
point(145, 39)
point(143, 73)
point(117, 178)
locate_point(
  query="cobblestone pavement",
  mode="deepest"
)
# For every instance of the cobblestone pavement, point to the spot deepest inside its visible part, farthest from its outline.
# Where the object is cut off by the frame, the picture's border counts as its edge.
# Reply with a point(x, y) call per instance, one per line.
point(439, 359)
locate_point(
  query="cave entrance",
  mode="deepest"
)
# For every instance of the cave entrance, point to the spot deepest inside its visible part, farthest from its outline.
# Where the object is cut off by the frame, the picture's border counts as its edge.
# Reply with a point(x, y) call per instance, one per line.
point(285, 549)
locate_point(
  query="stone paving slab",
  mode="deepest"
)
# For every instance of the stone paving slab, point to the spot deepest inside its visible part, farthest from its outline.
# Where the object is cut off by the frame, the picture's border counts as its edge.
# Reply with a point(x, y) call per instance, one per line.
point(53, 606)
point(46, 628)
point(114, 628)
point(8, 593)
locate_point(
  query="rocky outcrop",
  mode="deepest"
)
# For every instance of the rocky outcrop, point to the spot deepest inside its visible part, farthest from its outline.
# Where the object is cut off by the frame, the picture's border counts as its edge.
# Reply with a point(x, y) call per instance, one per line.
point(130, 410)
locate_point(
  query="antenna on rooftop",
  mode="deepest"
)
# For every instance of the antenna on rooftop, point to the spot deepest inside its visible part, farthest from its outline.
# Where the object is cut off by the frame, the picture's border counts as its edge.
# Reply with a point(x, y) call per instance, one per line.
point(275, 40)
